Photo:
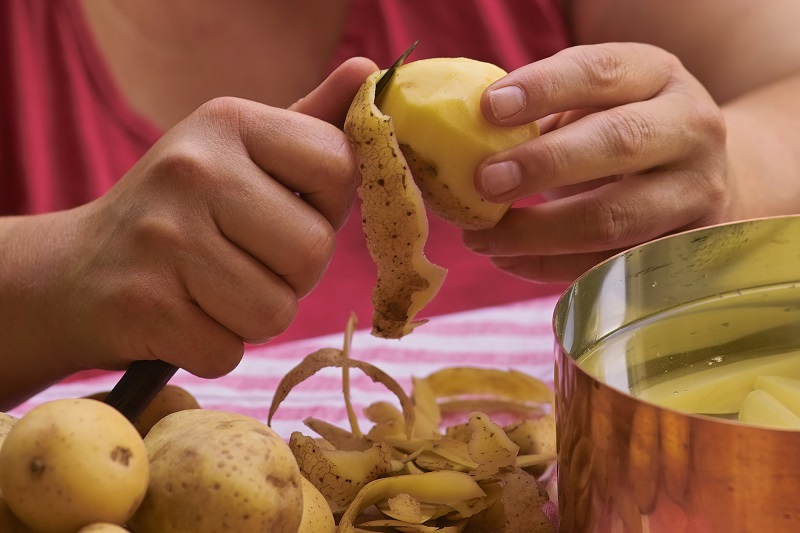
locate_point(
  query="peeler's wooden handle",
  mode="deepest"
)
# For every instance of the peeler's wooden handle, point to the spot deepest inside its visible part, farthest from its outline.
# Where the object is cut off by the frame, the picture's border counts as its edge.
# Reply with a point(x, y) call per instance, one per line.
point(138, 386)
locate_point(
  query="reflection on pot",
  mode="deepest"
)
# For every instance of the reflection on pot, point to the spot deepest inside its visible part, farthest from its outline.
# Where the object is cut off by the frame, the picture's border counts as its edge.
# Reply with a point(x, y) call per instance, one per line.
point(655, 312)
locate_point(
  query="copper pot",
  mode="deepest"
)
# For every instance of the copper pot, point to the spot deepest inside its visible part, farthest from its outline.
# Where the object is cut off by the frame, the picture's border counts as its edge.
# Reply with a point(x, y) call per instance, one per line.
point(629, 465)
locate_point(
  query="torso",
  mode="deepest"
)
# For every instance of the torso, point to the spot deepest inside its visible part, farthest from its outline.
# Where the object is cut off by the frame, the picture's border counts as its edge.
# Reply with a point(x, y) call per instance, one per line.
point(74, 118)
point(169, 58)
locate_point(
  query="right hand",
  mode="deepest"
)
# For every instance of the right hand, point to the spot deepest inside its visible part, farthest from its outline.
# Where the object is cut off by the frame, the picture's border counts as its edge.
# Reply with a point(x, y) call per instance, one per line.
point(206, 243)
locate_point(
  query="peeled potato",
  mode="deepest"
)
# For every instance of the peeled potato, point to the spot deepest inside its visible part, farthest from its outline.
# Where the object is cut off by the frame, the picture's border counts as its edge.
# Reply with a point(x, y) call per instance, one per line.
point(785, 390)
point(418, 149)
point(435, 110)
point(762, 409)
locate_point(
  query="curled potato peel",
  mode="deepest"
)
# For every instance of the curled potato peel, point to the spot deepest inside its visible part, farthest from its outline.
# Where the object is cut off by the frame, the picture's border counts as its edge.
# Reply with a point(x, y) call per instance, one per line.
point(398, 477)
point(393, 219)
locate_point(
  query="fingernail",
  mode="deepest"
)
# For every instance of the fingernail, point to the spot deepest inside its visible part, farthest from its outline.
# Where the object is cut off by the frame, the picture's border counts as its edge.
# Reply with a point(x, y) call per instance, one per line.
point(501, 178)
point(506, 101)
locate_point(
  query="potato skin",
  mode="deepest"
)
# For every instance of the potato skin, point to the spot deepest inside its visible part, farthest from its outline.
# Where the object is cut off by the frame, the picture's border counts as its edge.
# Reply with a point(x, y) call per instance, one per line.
point(72, 462)
point(213, 472)
point(393, 218)
point(10, 523)
point(6, 423)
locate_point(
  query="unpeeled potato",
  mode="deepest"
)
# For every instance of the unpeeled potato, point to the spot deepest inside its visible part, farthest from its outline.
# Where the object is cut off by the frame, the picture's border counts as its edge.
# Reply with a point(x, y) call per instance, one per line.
point(170, 399)
point(103, 527)
point(213, 472)
point(8, 522)
point(72, 462)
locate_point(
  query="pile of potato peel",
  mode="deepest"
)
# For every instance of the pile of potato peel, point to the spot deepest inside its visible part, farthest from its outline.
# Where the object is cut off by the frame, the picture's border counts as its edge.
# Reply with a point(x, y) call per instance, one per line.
point(408, 473)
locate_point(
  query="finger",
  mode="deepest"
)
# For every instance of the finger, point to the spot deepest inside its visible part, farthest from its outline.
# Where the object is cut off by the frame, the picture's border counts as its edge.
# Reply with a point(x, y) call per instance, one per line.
point(589, 76)
point(161, 322)
point(331, 100)
point(622, 140)
point(615, 216)
point(307, 155)
point(551, 268)
point(192, 340)
point(559, 120)
point(270, 223)
point(238, 291)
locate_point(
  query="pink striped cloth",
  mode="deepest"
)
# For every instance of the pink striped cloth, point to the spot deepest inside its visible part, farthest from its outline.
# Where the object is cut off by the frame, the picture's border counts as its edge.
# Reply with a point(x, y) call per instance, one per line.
point(517, 335)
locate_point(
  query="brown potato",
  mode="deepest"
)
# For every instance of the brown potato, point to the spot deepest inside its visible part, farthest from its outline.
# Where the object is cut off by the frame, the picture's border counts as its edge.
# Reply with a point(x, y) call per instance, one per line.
point(72, 462)
point(170, 399)
point(213, 472)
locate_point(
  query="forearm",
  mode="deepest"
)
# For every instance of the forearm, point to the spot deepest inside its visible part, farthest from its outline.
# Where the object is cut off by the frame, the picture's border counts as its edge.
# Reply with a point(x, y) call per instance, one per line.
point(763, 132)
point(28, 323)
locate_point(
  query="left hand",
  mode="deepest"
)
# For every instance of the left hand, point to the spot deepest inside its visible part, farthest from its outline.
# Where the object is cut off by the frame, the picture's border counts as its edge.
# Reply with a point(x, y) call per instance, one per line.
point(632, 148)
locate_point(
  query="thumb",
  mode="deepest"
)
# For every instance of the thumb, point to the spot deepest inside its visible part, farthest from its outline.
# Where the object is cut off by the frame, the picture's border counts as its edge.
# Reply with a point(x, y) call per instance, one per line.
point(331, 99)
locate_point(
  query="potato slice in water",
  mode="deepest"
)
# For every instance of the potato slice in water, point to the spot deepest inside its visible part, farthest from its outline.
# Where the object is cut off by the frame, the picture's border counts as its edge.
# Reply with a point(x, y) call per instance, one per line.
point(785, 390)
point(393, 218)
point(762, 409)
point(720, 389)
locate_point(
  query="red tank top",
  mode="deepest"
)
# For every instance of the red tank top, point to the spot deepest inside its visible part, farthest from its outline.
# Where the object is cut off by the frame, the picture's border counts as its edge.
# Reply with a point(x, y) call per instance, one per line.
point(66, 133)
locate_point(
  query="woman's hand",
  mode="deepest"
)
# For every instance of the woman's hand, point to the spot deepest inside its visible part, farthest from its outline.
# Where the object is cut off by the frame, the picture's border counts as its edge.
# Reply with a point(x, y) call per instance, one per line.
point(207, 243)
point(632, 148)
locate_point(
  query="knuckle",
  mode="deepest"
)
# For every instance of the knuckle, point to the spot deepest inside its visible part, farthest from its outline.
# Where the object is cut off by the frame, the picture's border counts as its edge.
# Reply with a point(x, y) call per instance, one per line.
point(715, 189)
point(671, 63)
point(185, 161)
point(603, 69)
point(604, 221)
point(556, 157)
point(627, 133)
point(147, 299)
point(154, 230)
point(710, 122)
point(222, 109)
point(278, 314)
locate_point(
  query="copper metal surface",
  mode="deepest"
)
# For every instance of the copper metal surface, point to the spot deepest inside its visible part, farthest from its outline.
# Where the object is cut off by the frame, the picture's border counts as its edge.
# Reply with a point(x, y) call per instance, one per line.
point(627, 465)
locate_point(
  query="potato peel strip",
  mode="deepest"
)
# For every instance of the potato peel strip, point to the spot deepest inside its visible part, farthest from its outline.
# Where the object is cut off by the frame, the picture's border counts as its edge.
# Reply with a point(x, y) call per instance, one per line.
point(393, 218)
point(331, 357)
